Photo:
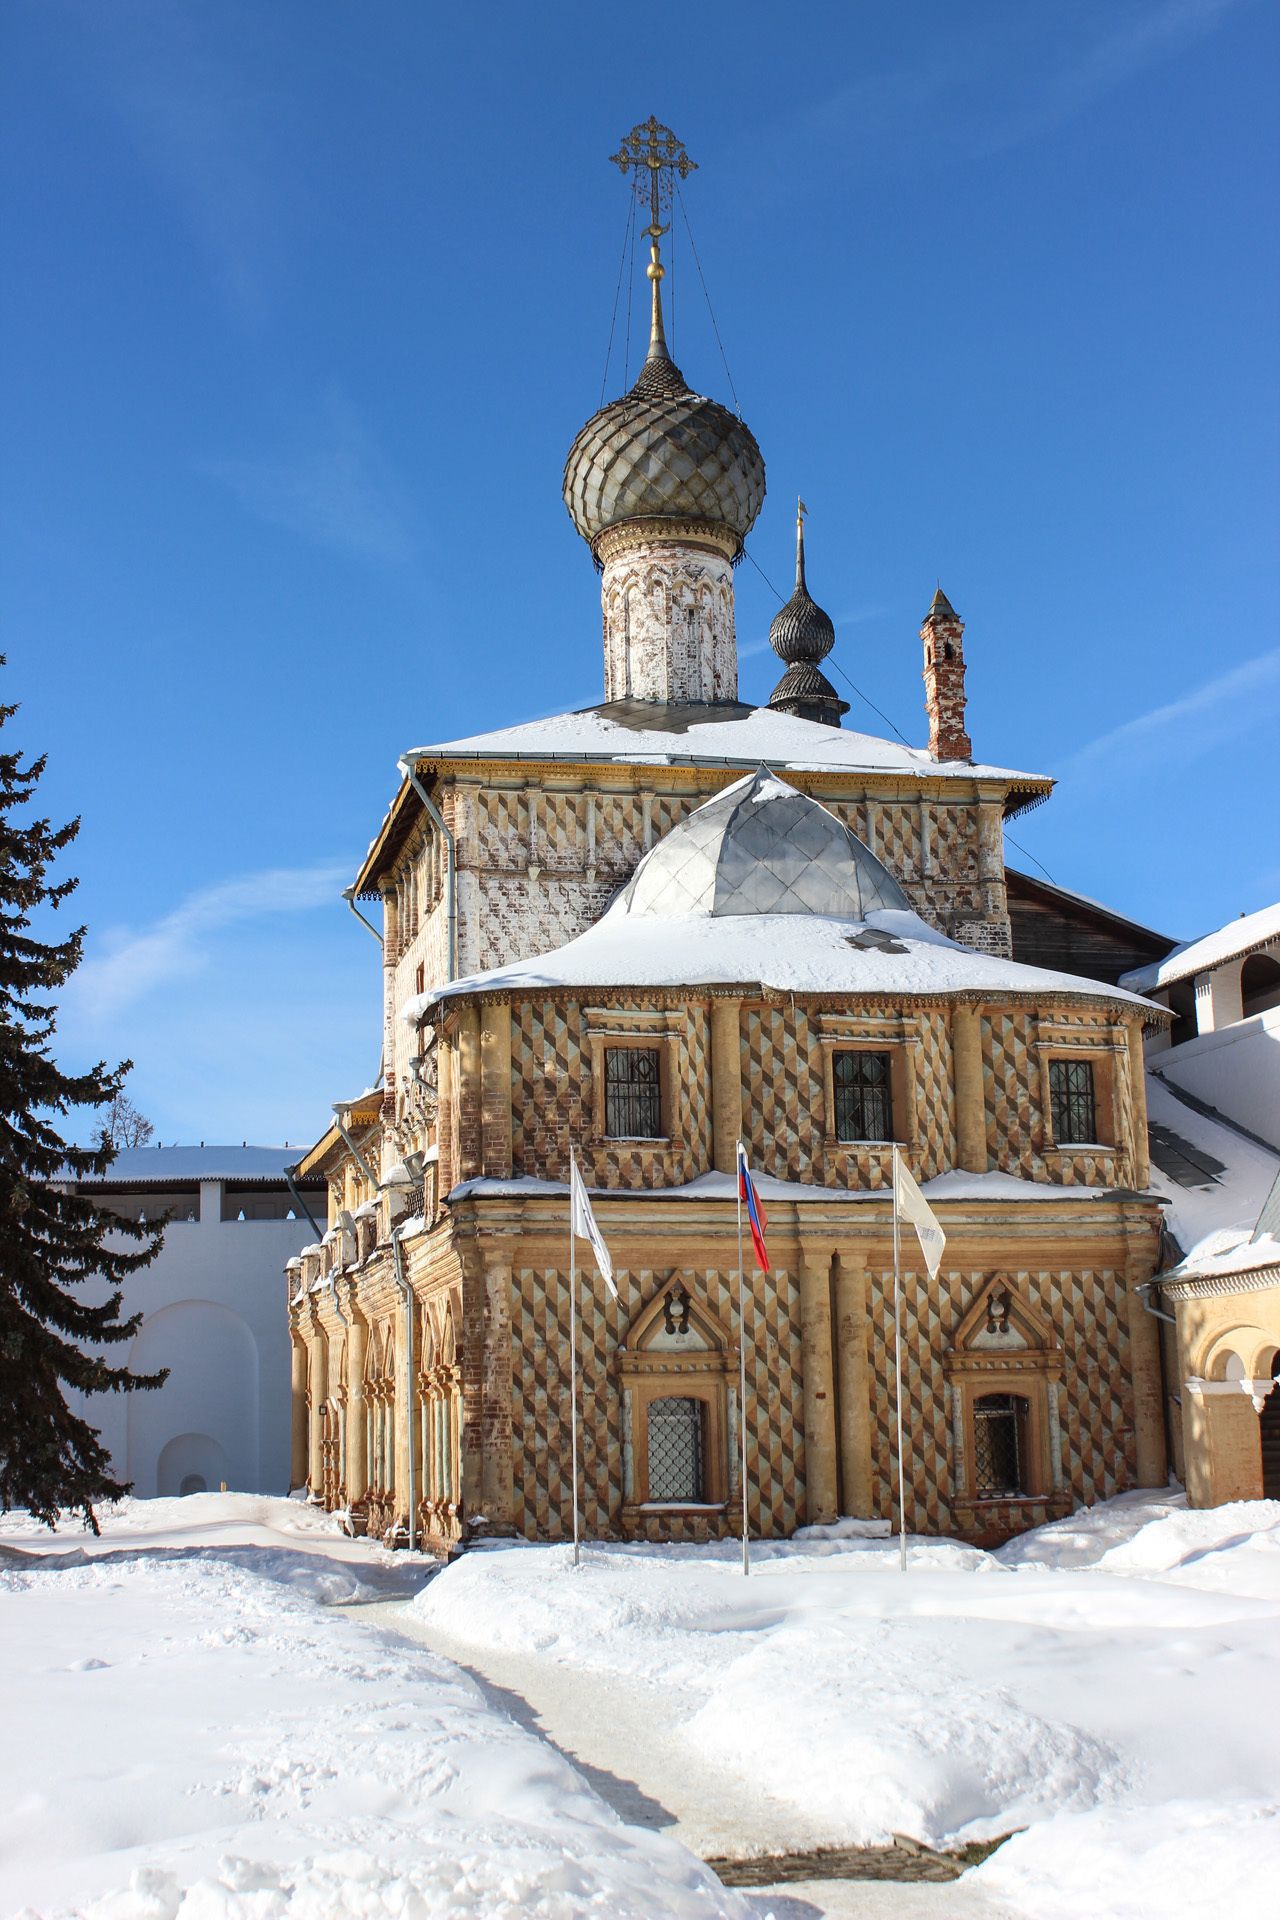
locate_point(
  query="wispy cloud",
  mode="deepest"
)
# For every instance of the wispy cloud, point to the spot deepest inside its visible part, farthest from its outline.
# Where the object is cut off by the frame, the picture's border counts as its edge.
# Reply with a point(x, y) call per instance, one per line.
point(210, 132)
point(1185, 730)
point(334, 486)
point(1009, 74)
point(135, 961)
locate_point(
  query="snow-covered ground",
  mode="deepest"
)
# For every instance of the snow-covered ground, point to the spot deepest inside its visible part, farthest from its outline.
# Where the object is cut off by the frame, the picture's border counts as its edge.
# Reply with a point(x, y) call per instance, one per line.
point(192, 1727)
point(1111, 1684)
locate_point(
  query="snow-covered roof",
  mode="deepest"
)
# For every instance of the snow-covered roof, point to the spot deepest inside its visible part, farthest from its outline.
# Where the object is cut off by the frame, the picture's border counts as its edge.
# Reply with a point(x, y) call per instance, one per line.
point(760, 846)
point(784, 953)
point(762, 887)
point(984, 1188)
point(159, 1166)
point(1229, 1202)
point(752, 735)
point(1248, 934)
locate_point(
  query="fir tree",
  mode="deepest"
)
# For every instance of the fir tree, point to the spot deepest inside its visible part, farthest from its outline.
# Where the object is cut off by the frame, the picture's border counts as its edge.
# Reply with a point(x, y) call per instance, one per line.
point(51, 1239)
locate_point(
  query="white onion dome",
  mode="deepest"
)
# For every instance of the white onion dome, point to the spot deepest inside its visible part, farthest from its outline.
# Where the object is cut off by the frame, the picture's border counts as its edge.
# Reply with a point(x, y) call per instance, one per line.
point(664, 452)
point(762, 847)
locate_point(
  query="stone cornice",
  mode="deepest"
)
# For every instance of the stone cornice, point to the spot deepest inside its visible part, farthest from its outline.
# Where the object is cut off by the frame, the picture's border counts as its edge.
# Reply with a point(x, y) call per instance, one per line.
point(629, 534)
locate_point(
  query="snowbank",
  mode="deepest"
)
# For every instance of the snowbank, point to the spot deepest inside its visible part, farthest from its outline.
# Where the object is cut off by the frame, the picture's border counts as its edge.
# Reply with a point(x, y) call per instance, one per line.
point(190, 1733)
point(1110, 1684)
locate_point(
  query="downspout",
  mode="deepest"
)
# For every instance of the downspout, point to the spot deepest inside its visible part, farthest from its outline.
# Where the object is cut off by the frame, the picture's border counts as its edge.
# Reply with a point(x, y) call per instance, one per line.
point(410, 773)
point(349, 895)
point(346, 1354)
point(1158, 1313)
point(407, 1293)
point(298, 1200)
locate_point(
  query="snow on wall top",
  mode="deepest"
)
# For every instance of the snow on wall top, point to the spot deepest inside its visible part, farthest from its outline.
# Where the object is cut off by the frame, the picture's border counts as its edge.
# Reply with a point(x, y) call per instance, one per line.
point(746, 740)
point(159, 1166)
point(893, 953)
point(1237, 938)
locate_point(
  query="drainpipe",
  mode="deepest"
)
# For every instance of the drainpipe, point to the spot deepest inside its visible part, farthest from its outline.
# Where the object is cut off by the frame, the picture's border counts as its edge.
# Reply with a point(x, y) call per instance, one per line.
point(298, 1200)
point(1158, 1313)
point(349, 895)
point(407, 1294)
point(410, 773)
point(346, 1348)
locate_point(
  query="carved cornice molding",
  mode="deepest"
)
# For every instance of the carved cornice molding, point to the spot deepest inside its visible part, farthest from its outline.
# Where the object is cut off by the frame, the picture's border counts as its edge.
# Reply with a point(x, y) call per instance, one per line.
point(701, 534)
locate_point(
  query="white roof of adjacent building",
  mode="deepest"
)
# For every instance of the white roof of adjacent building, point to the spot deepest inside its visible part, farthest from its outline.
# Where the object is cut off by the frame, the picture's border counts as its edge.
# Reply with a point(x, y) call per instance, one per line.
point(754, 735)
point(763, 887)
point(1238, 938)
point(157, 1166)
point(1225, 1207)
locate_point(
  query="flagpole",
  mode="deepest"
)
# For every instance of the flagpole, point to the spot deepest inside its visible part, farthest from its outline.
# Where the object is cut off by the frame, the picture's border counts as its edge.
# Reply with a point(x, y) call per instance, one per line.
point(742, 1375)
point(573, 1356)
point(897, 1371)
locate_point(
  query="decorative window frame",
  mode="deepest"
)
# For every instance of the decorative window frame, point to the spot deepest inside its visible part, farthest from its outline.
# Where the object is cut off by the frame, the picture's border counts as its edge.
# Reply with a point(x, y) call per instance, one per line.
point(873, 1033)
point(1034, 1372)
point(1108, 1058)
point(708, 1374)
point(654, 1028)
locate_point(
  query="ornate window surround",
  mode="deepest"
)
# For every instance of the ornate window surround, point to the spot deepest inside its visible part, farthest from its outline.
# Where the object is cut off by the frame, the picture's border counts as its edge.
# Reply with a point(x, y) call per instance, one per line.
point(1108, 1058)
point(707, 1372)
point(655, 1027)
point(871, 1032)
point(1032, 1370)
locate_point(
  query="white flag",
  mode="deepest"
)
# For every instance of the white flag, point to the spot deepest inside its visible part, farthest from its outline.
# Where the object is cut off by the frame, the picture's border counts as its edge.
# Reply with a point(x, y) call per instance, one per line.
point(913, 1210)
point(582, 1222)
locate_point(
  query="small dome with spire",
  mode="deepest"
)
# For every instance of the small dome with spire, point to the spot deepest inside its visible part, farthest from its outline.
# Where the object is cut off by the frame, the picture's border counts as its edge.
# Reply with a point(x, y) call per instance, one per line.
point(664, 452)
point(801, 635)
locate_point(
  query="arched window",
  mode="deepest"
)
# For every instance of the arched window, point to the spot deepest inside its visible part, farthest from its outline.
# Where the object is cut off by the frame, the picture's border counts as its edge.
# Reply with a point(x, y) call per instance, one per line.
point(999, 1446)
point(675, 1450)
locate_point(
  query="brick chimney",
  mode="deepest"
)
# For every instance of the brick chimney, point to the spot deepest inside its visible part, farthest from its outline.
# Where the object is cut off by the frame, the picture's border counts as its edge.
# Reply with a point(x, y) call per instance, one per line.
point(943, 637)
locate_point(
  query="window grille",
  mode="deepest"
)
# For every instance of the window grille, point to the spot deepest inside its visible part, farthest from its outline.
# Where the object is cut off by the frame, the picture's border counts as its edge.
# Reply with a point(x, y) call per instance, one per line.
point(1071, 1101)
point(675, 1450)
point(999, 1445)
point(632, 1093)
point(864, 1105)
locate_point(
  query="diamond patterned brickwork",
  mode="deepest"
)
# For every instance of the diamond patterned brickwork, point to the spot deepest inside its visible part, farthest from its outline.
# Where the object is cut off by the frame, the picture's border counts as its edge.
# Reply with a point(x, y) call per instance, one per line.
point(935, 1113)
point(502, 829)
point(782, 1072)
point(560, 843)
point(1086, 1313)
point(1011, 1082)
point(552, 1109)
point(541, 1415)
point(897, 831)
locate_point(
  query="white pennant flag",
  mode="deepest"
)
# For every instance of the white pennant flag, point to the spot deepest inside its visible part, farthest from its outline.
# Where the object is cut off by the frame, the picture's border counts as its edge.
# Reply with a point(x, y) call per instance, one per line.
point(582, 1222)
point(913, 1210)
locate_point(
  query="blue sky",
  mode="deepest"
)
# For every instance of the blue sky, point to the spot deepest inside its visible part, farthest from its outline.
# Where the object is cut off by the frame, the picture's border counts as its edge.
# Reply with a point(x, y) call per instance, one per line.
point(306, 302)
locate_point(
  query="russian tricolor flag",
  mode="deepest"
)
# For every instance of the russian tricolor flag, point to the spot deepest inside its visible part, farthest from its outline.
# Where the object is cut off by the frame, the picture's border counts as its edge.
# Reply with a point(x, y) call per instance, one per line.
point(756, 1214)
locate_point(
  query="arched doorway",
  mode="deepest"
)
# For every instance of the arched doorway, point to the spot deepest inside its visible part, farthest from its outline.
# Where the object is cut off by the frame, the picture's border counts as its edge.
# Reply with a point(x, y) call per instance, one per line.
point(1269, 1432)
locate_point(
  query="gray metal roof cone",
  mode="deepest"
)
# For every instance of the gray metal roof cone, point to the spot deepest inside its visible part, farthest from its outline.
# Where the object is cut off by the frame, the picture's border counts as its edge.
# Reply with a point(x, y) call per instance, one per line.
point(762, 847)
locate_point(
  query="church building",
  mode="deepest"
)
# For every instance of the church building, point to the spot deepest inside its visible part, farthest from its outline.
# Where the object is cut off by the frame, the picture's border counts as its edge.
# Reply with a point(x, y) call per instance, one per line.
point(641, 932)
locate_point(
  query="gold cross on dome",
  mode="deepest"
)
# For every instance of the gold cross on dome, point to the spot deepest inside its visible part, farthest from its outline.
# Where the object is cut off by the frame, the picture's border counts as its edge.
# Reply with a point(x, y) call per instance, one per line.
point(657, 148)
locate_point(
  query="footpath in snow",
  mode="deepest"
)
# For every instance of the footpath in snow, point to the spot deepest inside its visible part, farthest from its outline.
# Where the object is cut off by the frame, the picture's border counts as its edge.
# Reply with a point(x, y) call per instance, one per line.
point(1110, 1684)
point(191, 1728)
point(197, 1728)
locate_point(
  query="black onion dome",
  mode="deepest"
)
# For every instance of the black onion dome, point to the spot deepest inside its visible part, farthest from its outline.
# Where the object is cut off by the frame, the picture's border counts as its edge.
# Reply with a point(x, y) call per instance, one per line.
point(801, 631)
point(663, 452)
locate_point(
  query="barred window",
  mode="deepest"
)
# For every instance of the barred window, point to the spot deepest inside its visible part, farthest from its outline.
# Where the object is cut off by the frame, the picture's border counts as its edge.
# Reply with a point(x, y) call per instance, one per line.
point(864, 1107)
point(632, 1093)
point(999, 1445)
point(1072, 1105)
point(675, 1450)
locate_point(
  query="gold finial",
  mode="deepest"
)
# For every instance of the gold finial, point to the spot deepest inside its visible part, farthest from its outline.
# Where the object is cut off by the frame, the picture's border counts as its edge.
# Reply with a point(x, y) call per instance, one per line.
point(657, 148)
point(801, 511)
